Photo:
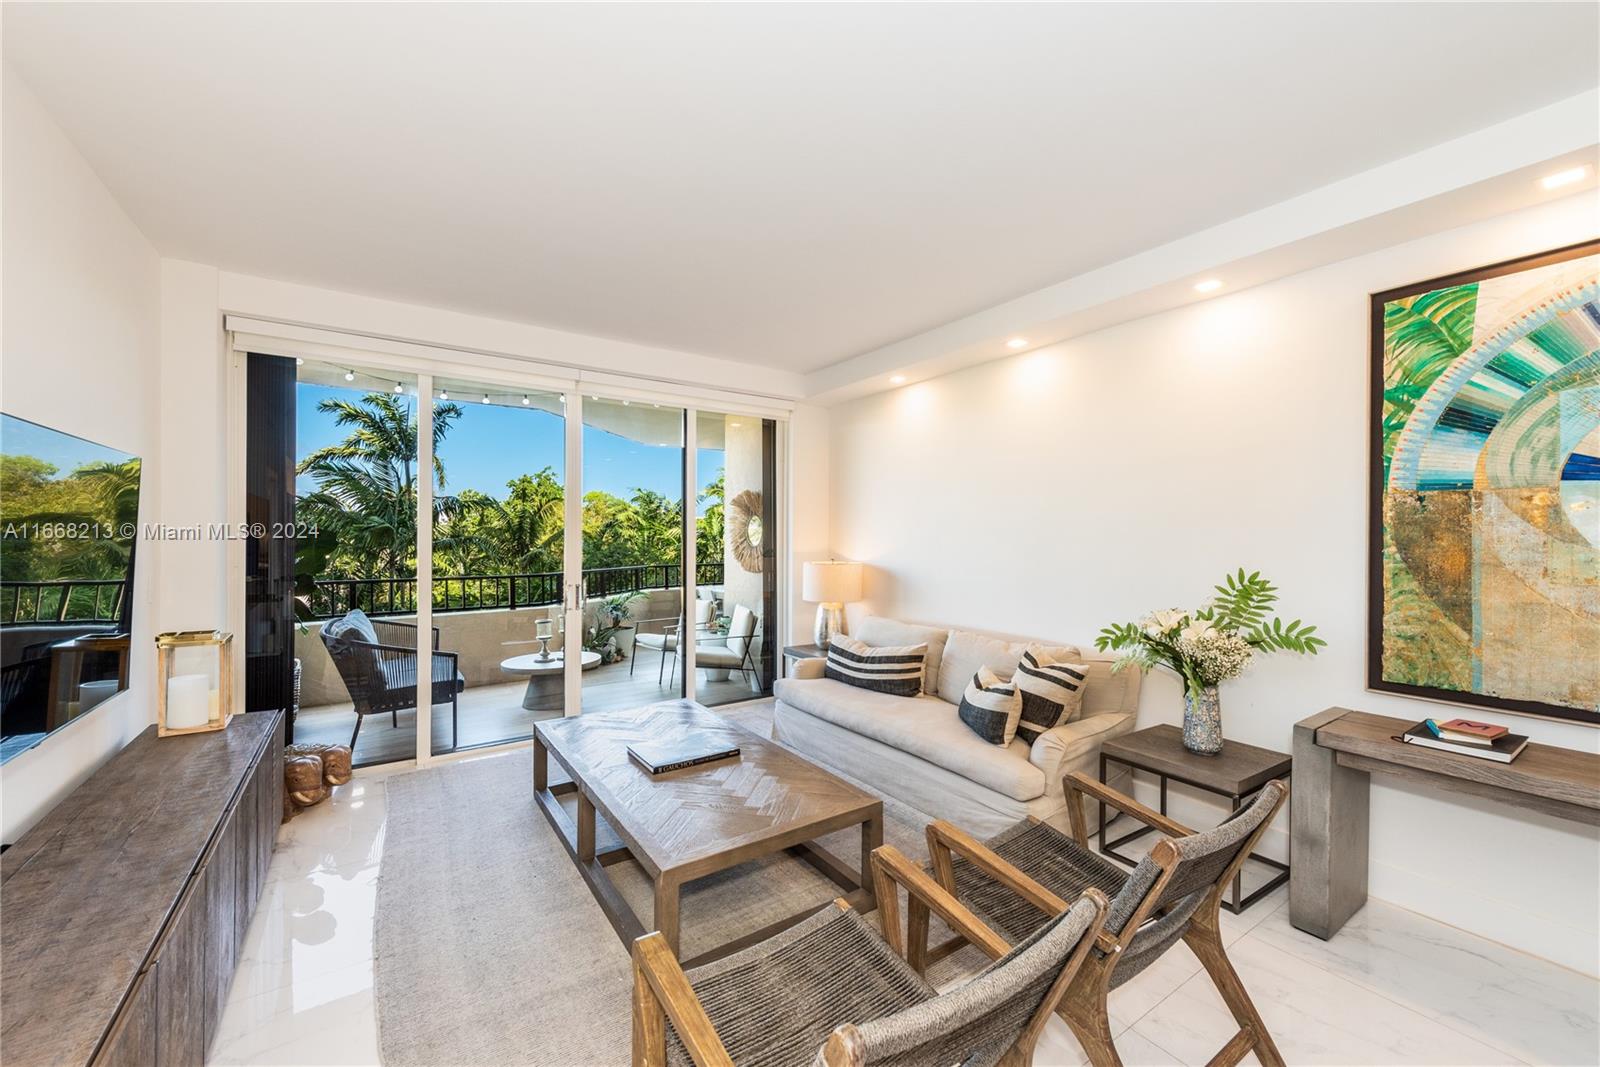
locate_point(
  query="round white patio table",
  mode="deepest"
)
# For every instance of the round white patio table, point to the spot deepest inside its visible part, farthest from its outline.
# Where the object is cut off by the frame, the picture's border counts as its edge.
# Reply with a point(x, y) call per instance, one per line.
point(546, 691)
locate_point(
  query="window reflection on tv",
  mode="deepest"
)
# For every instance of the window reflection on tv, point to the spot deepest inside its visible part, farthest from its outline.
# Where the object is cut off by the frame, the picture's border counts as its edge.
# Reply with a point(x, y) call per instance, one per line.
point(69, 513)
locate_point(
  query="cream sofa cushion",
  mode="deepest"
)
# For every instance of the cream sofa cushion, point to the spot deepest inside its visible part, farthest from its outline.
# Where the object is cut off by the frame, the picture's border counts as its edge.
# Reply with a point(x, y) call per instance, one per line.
point(965, 653)
point(879, 632)
point(922, 726)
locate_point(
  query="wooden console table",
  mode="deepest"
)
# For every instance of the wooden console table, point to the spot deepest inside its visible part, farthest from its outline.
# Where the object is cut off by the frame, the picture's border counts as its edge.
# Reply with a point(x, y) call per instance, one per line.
point(126, 906)
point(1335, 754)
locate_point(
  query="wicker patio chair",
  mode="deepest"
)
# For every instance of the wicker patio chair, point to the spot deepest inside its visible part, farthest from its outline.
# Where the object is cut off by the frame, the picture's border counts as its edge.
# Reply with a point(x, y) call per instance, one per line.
point(1023, 876)
point(377, 659)
point(832, 992)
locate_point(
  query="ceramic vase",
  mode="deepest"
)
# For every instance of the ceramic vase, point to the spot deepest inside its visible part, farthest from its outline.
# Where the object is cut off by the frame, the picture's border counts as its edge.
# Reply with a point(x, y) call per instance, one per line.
point(1202, 721)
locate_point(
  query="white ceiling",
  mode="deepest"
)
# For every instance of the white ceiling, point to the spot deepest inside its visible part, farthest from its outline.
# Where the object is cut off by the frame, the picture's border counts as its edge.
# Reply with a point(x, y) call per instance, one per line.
point(783, 185)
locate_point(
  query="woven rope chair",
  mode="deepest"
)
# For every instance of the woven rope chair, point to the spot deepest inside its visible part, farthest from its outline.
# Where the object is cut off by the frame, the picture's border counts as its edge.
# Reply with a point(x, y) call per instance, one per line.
point(1025, 875)
point(377, 660)
point(832, 992)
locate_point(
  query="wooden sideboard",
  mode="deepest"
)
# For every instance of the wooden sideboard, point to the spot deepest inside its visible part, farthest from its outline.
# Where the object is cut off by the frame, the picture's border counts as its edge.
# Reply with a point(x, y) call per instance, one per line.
point(126, 906)
point(1337, 751)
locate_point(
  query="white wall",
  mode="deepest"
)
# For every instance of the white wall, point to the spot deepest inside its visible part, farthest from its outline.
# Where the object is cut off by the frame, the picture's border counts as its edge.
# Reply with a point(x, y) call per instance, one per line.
point(1086, 483)
point(81, 343)
point(809, 529)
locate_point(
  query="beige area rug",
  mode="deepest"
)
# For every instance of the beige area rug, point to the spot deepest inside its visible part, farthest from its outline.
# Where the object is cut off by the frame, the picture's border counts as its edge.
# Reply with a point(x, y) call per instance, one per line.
point(490, 948)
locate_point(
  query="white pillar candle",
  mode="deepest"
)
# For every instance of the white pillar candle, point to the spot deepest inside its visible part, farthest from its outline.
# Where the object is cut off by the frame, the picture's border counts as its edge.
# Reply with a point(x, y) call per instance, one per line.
point(189, 701)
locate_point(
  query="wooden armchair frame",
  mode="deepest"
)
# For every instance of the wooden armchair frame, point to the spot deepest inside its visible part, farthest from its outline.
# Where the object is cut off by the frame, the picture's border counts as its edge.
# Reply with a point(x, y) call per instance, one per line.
point(662, 991)
point(1084, 1006)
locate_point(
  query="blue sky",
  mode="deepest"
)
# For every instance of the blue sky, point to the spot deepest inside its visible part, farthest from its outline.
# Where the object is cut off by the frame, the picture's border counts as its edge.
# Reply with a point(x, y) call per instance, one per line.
point(490, 445)
point(19, 437)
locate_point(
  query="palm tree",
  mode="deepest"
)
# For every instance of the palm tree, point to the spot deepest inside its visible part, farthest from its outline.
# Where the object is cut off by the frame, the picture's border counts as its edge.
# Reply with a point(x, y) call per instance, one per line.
point(710, 526)
point(366, 486)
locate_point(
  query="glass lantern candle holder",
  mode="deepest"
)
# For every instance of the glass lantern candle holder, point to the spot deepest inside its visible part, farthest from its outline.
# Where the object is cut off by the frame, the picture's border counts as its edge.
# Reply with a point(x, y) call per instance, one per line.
point(194, 681)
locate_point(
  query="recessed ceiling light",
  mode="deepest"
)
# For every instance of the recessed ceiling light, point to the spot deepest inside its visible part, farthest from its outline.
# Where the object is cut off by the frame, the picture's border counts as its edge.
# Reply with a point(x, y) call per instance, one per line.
point(1564, 177)
point(1017, 342)
point(1210, 285)
point(898, 379)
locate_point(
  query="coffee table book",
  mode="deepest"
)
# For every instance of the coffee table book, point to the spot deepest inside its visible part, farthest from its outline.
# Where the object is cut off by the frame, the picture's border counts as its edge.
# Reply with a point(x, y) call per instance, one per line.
point(1502, 749)
point(676, 753)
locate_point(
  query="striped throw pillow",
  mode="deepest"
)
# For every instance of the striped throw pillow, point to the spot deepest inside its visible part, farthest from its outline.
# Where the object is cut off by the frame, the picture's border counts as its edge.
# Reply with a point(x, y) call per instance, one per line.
point(1051, 691)
point(895, 670)
point(990, 707)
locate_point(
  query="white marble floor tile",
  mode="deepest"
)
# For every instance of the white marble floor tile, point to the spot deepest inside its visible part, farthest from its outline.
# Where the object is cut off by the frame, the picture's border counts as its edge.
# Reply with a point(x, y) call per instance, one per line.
point(1130, 1002)
point(1236, 926)
point(1314, 1015)
point(1393, 988)
point(1522, 1005)
point(302, 990)
point(1058, 1048)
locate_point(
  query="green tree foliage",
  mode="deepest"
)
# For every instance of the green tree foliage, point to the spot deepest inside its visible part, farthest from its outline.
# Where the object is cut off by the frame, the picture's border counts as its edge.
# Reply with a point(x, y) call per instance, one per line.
point(103, 495)
point(710, 526)
point(364, 506)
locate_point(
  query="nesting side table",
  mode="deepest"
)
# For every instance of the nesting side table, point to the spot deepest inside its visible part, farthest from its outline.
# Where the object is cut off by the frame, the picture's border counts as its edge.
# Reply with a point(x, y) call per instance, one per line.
point(799, 652)
point(1237, 772)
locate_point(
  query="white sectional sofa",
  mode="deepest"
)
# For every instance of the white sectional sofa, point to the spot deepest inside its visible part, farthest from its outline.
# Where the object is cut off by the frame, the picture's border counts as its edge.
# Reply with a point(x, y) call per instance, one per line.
point(917, 749)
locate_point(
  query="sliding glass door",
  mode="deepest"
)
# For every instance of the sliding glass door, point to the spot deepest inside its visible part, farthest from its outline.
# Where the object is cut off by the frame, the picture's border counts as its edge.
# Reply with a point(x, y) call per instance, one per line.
point(476, 555)
point(736, 535)
point(633, 589)
point(355, 559)
point(499, 526)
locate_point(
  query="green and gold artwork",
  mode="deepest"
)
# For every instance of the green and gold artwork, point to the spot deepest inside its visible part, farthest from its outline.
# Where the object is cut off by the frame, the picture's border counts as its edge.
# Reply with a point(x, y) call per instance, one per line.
point(1486, 502)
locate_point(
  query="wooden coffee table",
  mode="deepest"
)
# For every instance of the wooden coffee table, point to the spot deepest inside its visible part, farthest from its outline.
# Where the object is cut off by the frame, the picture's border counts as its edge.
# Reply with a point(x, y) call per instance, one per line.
point(687, 824)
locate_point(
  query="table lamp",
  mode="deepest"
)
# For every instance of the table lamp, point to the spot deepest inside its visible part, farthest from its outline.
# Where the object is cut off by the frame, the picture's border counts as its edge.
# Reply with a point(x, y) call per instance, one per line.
point(830, 584)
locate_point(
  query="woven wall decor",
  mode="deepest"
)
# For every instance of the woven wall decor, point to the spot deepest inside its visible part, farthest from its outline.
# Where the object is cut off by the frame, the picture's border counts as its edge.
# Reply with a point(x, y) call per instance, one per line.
point(744, 529)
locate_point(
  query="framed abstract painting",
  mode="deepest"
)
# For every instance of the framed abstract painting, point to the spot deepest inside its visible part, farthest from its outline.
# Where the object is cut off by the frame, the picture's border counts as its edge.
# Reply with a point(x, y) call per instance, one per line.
point(1484, 521)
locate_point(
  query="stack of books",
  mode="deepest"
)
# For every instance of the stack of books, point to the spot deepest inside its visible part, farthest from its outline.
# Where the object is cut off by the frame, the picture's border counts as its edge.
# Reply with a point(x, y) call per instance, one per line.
point(1485, 740)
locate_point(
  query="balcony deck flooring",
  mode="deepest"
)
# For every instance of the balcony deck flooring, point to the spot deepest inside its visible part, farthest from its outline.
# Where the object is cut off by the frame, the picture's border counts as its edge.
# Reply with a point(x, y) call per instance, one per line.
point(490, 714)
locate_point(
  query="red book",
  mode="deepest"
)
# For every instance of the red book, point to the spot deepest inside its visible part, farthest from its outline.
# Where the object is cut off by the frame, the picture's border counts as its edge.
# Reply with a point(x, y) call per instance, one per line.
point(1486, 730)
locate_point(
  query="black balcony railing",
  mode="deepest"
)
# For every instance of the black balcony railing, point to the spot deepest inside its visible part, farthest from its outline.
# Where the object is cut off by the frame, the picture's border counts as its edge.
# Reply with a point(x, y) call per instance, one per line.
point(332, 597)
point(62, 600)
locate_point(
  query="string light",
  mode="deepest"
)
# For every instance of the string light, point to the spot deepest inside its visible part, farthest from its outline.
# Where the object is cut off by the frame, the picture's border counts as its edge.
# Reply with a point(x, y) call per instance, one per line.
point(399, 388)
point(298, 362)
point(485, 398)
point(524, 401)
point(444, 394)
point(349, 375)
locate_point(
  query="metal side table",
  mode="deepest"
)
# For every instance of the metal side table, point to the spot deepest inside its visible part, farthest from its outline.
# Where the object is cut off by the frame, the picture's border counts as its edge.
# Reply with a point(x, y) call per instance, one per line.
point(1237, 772)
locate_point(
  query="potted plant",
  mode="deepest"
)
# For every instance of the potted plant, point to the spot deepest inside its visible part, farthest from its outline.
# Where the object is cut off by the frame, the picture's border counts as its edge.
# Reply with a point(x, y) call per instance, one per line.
point(1208, 645)
point(617, 611)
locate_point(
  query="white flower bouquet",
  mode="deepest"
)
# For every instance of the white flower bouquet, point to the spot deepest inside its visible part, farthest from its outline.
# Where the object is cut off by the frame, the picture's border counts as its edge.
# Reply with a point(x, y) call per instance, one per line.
point(1213, 642)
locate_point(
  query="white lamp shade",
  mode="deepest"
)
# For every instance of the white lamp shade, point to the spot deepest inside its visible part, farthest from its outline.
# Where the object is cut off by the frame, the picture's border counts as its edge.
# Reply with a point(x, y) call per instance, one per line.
point(834, 581)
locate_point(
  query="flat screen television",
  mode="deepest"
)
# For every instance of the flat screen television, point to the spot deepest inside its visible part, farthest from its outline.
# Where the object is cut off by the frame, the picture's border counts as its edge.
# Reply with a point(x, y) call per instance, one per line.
point(69, 515)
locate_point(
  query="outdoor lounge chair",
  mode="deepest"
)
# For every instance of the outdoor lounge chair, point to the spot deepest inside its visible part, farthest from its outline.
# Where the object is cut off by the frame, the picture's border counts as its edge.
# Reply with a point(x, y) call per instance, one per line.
point(377, 659)
point(666, 642)
point(1023, 876)
point(832, 991)
point(733, 651)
